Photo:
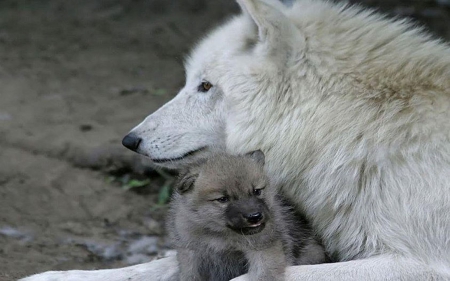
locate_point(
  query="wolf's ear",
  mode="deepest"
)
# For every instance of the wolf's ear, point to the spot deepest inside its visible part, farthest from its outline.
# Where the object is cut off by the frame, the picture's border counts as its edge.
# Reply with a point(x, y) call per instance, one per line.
point(257, 156)
point(186, 181)
point(274, 28)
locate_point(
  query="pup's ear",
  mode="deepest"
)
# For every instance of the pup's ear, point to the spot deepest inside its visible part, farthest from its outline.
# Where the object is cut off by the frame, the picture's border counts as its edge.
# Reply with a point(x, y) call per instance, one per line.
point(186, 181)
point(257, 156)
point(275, 31)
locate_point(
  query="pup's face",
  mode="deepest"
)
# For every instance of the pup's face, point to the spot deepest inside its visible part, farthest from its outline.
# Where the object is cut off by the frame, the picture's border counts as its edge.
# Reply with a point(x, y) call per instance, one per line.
point(229, 194)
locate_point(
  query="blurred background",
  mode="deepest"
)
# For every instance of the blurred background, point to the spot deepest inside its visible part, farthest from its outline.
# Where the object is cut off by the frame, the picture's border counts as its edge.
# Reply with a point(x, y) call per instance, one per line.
point(75, 77)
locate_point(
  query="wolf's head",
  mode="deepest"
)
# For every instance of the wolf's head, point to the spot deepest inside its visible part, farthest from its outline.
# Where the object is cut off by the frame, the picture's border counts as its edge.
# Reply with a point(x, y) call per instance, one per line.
point(227, 195)
point(239, 62)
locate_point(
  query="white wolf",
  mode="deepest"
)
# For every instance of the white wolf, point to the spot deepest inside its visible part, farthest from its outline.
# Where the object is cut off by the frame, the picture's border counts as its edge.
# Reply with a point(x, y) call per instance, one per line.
point(353, 113)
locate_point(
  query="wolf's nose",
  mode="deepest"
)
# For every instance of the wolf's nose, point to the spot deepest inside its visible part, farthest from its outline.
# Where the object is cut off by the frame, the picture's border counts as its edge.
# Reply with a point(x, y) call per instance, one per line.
point(131, 141)
point(254, 218)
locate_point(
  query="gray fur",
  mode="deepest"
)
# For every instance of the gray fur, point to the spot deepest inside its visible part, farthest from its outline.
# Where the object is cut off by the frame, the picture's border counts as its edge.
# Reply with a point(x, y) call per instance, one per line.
point(210, 249)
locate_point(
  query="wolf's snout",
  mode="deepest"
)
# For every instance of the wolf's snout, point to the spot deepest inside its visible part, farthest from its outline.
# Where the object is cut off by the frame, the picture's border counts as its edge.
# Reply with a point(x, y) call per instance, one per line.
point(254, 217)
point(131, 141)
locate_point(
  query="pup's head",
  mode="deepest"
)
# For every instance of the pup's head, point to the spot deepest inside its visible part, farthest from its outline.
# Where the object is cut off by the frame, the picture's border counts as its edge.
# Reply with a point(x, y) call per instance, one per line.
point(228, 194)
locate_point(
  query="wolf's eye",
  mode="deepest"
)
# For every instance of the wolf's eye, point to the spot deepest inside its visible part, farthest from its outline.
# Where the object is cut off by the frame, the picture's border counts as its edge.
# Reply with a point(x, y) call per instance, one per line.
point(223, 199)
point(257, 192)
point(204, 87)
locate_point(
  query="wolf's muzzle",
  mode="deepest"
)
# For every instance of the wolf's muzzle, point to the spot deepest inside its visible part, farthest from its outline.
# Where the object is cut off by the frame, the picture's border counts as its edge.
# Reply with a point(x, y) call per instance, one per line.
point(131, 141)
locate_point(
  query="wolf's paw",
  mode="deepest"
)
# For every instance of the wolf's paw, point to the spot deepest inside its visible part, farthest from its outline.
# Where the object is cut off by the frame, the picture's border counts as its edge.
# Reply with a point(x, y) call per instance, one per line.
point(164, 269)
point(56, 276)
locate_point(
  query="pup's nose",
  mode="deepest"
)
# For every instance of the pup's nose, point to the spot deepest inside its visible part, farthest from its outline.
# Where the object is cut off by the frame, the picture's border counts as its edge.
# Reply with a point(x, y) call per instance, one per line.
point(131, 141)
point(254, 218)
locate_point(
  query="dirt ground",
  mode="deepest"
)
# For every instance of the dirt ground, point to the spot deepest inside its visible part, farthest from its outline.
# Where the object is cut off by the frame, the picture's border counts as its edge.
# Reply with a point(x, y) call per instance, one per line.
point(75, 77)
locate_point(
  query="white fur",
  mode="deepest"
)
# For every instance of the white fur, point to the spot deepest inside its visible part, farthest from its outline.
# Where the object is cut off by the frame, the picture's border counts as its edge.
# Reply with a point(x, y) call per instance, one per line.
point(353, 113)
point(158, 270)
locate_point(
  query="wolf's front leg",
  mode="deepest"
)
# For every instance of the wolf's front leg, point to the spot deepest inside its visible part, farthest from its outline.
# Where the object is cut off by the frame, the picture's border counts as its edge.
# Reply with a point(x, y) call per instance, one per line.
point(165, 269)
point(268, 264)
point(380, 268)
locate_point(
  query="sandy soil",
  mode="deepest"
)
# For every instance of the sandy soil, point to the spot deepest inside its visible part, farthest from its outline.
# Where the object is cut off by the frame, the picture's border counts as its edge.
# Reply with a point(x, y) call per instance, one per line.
point(75, 77)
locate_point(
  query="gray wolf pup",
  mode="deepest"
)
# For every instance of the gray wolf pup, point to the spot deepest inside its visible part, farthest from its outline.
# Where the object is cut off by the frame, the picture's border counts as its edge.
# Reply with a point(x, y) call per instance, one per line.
point(226, 219)
point(352, 111)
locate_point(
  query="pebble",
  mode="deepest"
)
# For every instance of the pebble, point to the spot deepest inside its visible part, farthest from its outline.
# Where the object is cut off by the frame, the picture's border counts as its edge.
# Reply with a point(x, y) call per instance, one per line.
point(15, 233)
point(5, 116)
point(147, 245)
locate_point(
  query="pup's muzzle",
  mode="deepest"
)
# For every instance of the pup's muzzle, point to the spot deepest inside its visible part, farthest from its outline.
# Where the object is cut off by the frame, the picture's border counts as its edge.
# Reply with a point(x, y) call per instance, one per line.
point(247, 216)
point(253, 218)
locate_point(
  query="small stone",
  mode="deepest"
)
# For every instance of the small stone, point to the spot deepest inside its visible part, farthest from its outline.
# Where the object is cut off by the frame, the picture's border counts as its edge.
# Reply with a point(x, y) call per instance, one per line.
point(105, 252)
point(15, 233)
point(5, 116)
point(147, 245)
point(137, 259)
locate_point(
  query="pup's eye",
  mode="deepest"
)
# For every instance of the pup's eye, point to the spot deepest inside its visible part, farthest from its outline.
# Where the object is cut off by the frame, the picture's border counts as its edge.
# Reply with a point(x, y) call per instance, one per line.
point(257, 192)
point(223, 199)
point(204, 87)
